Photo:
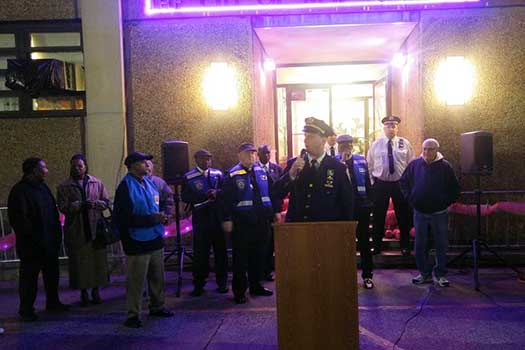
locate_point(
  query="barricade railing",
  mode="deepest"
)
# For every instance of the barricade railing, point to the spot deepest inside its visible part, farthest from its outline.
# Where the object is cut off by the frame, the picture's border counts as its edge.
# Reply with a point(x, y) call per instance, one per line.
point(502, 218)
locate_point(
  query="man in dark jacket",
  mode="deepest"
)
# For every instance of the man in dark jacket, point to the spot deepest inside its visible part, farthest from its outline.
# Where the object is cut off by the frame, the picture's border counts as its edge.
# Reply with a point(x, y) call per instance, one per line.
point(318, 184)
point(430, 186)
point(34, 216)
point(248, 212)
point(200, 190)
point(140, 223)
point(274, 171)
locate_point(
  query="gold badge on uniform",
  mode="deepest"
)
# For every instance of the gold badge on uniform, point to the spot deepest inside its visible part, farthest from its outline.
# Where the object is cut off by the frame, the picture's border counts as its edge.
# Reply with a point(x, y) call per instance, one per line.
point(329, 178)
point(199, 185)
point(264, 177)
point(240, 184)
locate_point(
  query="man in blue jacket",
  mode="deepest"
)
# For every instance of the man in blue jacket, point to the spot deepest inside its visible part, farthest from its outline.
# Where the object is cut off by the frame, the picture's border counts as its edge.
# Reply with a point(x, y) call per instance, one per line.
point(430, 186)
point(136, 211)
point(360, 179)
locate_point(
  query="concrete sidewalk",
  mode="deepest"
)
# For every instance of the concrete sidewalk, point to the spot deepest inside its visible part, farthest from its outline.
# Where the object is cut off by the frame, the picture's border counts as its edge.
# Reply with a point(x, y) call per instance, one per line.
point(440, 318)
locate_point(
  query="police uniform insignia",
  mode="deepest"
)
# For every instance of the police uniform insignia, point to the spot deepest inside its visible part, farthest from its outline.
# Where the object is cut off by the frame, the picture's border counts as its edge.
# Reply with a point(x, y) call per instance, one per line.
point(240, 184)
point(329, 178)
point(264, 177)
point(401, 144)
point(199, 185)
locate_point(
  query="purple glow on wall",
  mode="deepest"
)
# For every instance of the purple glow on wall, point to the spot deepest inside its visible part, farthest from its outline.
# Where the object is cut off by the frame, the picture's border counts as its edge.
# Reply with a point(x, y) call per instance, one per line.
point(306, 6)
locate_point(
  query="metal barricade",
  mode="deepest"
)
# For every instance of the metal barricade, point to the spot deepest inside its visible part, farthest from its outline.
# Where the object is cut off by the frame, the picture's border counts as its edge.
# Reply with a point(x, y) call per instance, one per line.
point(499, 228)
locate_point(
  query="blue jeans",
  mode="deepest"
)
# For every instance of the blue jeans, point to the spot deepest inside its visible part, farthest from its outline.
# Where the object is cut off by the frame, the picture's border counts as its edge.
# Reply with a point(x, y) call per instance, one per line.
point(437, 225)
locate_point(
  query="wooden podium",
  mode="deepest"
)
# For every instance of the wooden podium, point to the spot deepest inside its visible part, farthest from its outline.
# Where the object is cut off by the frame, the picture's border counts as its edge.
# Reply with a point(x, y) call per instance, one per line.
point(315, 264)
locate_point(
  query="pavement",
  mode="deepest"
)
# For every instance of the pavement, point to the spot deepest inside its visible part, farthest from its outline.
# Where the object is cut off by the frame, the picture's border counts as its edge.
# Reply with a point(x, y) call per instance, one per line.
point(394, 315)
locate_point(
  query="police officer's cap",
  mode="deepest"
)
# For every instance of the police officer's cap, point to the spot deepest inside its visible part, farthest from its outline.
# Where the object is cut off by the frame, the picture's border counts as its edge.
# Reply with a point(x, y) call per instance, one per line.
point(264, 149)
point(202, 153)
point(246, 146)
point(134, 157)
point(317, 126)
point(391, 119)
point(345, 138)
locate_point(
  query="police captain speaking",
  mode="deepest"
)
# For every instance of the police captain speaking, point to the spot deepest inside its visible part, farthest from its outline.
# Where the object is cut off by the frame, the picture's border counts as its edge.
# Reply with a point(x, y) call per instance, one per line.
point(318, 184)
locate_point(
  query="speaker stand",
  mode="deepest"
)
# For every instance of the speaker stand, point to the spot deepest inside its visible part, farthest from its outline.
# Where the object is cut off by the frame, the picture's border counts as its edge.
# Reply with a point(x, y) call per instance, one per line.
point(477, 244)
point(178, 248)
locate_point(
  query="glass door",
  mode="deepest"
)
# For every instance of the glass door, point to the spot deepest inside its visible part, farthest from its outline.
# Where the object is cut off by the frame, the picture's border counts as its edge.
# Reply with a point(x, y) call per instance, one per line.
point(349, 108)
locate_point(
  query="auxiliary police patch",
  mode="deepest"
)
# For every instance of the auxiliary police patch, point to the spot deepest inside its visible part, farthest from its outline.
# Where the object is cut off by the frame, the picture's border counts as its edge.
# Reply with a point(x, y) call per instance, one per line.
point(240, 184)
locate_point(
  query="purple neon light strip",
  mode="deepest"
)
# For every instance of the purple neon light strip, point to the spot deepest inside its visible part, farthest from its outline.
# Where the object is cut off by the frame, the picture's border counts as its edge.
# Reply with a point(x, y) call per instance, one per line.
point(348, 4)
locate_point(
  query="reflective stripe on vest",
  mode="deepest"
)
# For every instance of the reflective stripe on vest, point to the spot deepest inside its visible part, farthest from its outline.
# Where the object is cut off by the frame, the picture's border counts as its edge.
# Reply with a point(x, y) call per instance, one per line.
point(359, 163)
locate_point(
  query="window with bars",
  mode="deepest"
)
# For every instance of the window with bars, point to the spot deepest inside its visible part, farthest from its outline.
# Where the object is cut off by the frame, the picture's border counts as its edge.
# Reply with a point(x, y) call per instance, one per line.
point(61, 40)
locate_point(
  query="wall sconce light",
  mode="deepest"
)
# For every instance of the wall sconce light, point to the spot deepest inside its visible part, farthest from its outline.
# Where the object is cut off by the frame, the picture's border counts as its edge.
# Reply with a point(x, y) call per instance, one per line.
point(398, 60)
point(269, 64)
point(455, 78)
point(220, 86)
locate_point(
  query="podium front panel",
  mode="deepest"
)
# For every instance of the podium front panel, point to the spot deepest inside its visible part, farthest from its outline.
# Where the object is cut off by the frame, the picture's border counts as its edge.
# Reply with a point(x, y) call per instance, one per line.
point(315, 264)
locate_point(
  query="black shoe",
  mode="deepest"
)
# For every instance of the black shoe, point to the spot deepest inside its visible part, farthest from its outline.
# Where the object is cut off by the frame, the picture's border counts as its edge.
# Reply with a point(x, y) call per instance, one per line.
point(133, 322)
point(197, 292)
point(95, 296)
point(28, 317)
point(261, 291)
point(240, 299)
point(368, 283)
point(162, 313)
point(57, 307)
point(84, 298)
point(222, 289)
point(269, 277)
point(405, 252)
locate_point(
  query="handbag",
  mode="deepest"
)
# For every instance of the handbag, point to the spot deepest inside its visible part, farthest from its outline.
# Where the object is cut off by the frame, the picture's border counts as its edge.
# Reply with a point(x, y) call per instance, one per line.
point(107, 231)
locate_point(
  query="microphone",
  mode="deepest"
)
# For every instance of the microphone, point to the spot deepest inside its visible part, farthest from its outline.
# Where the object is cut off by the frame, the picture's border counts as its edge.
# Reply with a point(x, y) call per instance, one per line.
point(304, 154)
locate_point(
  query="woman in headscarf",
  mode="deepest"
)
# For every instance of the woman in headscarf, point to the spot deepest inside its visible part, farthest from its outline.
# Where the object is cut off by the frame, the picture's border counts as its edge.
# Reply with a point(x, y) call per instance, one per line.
point(82, 198)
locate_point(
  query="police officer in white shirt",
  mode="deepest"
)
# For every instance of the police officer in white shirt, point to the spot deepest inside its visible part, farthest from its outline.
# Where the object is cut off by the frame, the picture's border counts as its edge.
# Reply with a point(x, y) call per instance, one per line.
point(387, 159)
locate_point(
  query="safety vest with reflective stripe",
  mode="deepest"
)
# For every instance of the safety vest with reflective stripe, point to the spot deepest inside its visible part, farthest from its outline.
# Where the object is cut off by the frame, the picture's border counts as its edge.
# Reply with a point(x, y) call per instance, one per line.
point(244, 187)
point(360, 168)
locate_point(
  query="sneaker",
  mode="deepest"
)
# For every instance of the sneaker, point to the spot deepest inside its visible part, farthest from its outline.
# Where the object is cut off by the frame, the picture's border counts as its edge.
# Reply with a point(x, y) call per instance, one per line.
point(422, 279)
point(133, 322)
point(441, 281)
point(368, 283)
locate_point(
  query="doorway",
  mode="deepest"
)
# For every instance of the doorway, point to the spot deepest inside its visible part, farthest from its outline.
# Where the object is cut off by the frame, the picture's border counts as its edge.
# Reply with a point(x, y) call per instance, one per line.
point(349, 107)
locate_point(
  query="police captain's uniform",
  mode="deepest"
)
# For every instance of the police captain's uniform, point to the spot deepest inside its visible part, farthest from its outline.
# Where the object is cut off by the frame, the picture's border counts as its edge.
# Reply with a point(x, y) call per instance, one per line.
point(207, 218)
point(247, 203)
point(360, 179)
point(322, 190)
point(387, 160)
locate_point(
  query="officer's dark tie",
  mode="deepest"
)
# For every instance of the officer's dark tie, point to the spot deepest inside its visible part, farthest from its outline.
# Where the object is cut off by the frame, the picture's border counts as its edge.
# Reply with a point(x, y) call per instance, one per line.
point(390, 158)
point(332, 151)
point(313, 164)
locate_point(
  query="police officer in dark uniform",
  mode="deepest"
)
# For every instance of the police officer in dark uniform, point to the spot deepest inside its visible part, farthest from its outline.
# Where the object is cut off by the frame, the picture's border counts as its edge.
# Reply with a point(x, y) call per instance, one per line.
point(200, 189)
point(318, 184)
point(274, 171)
point(360, 179)
point(249, 212)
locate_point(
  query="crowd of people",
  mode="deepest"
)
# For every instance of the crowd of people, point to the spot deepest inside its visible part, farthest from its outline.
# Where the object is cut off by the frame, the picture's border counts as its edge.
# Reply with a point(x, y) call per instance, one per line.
point(326, 182)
